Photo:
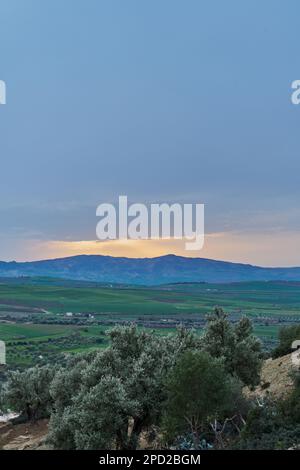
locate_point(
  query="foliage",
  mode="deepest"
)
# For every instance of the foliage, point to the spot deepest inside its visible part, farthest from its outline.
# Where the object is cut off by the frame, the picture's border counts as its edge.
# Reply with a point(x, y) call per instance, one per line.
point(96, 419)
point(274, 424)
point(267, 428)
point(188, 384)
point(287, 335)
point(88, 414)
point(236, 344)
point(28, 392)
point(199, 390)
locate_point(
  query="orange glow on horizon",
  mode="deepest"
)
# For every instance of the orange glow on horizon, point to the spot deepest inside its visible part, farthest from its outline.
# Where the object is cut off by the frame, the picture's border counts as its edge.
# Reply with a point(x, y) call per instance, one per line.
point(264, 249)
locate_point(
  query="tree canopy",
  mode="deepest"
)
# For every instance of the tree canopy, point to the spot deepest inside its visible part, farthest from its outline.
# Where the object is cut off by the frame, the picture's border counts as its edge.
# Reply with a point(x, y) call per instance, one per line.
point(107, 398)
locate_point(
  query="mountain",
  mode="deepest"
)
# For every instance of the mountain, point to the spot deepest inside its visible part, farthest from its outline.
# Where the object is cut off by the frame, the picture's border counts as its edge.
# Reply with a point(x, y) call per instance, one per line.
point(147, 271)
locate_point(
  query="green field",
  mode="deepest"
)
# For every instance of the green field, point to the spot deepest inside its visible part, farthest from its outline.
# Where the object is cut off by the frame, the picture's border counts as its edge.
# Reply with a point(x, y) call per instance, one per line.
point(35, 325)
point(253, 298)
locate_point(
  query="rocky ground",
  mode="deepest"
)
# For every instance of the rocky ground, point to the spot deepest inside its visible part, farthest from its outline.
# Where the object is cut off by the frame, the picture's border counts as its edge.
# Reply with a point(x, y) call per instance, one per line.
point(276, 378)
point(23, 436)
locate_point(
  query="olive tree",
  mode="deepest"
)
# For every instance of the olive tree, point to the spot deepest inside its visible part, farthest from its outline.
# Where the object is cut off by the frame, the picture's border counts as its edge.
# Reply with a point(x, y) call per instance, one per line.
point(28, 392)
point(88, 414)
point(236, 344)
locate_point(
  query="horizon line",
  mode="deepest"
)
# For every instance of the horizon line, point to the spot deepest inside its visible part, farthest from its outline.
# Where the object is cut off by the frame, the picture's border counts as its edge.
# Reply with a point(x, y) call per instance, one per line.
point(149, 258)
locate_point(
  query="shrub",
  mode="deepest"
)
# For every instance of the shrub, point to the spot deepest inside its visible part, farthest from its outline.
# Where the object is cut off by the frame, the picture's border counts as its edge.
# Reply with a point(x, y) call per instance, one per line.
point(199, 391)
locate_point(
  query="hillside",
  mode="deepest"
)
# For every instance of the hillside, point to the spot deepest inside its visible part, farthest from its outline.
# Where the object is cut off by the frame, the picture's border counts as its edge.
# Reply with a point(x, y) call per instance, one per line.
point(276, 380)
point(147, 271)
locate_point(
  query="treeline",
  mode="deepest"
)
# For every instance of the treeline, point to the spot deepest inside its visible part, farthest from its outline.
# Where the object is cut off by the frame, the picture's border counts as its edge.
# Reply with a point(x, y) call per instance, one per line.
point(180, 391)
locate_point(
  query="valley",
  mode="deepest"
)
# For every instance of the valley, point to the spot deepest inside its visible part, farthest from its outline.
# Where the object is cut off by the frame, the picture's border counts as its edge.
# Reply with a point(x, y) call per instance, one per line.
point(43, 319)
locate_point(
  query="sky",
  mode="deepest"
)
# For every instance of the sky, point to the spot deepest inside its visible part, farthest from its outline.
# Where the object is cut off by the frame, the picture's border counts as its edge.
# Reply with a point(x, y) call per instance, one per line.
point(162, 101)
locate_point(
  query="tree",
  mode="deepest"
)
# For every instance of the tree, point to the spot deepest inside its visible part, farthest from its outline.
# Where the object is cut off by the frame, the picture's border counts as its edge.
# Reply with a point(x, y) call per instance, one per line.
point(136, 363)
point(236, 344)
point(96, 419)
point(28, 392)
point(198, 391)
point(106, 398)
point(68, 380)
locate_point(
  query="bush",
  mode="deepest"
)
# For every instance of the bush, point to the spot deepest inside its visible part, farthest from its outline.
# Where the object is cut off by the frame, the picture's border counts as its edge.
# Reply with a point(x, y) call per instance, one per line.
point(274, 424)
point(199, 392)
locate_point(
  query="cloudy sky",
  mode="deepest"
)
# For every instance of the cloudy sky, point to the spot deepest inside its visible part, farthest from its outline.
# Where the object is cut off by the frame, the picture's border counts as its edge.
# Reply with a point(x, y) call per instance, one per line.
point(162, 101)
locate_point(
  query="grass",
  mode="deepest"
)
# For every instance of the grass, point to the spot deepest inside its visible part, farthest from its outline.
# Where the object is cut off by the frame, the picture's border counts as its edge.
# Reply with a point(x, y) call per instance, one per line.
point(255, 298)
point(10, 331)
point(26, 303)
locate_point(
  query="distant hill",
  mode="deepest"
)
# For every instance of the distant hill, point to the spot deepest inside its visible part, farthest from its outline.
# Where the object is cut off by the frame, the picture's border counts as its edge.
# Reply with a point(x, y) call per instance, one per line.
point(147, 271)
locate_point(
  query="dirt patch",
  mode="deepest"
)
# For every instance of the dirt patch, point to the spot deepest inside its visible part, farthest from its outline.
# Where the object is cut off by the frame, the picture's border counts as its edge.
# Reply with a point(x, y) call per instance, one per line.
point(27, 436)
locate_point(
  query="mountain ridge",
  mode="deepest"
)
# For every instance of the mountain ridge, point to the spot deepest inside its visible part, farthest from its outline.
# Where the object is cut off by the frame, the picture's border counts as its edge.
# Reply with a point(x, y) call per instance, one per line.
point(147, 271)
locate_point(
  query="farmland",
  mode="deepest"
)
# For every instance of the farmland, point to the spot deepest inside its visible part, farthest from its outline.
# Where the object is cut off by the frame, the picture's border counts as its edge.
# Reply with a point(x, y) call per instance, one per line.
point(42, 318)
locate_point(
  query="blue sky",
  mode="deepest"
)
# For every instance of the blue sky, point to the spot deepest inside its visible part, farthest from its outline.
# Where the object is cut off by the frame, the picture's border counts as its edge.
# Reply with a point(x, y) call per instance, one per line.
point(162, 101)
